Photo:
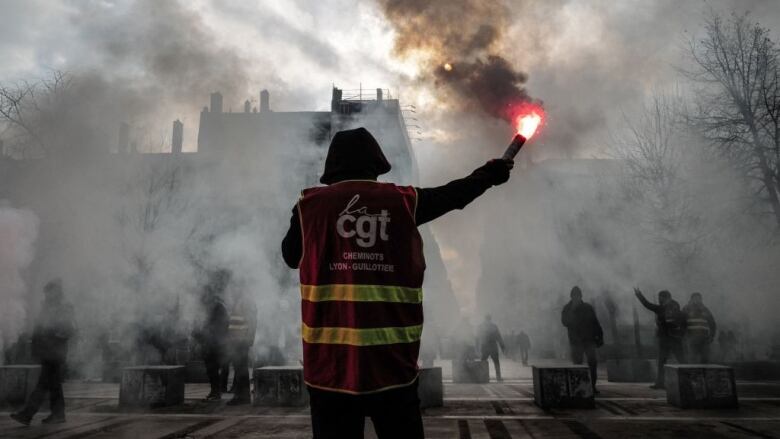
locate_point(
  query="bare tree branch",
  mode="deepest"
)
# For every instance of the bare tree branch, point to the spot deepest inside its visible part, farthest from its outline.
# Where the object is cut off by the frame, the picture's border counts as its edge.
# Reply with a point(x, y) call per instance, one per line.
point(737, 67)
point(23, 110)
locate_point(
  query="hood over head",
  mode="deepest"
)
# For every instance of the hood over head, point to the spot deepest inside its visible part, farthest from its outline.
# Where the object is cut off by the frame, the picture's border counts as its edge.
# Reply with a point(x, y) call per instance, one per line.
point(354, 154)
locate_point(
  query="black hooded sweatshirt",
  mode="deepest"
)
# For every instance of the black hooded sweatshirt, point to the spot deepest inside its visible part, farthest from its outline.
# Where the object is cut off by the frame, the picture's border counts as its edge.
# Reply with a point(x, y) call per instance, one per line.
point(356, 155)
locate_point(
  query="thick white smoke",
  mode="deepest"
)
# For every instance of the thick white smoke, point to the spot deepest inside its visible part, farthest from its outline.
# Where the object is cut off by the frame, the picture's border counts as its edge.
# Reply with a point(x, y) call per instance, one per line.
point(18, 232)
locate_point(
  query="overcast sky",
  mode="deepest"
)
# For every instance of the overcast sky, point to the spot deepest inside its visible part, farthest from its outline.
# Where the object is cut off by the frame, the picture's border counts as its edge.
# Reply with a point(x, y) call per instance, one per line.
point(586, 56)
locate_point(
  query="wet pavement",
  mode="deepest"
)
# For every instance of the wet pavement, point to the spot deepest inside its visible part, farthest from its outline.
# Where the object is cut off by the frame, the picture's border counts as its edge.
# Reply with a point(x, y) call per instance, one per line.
point(495, 410)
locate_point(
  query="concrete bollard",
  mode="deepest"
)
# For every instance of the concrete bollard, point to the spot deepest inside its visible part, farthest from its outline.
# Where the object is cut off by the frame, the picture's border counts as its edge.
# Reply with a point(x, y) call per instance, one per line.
point(563, 387)
point(151, 386)
point(280, 386)
point(470, 371)
point(430, 388)
point(17, 381)
point(700, 386)
point(631, 370)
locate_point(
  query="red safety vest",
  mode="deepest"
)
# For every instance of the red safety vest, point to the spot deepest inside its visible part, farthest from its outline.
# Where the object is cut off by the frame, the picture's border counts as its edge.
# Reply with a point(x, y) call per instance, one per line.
point(361, 286)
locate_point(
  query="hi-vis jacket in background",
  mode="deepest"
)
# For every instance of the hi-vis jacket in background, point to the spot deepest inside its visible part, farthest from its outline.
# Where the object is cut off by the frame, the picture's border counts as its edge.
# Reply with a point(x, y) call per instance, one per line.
point(361, 276)
point(699, 321)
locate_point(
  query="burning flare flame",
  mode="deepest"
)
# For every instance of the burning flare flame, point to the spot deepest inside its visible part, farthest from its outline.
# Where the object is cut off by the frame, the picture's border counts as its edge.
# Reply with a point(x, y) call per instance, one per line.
point(528, 123)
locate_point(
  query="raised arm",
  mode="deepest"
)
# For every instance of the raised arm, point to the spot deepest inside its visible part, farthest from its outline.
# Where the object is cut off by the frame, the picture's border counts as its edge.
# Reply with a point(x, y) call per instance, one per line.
point(435, 202)
point(651, 306)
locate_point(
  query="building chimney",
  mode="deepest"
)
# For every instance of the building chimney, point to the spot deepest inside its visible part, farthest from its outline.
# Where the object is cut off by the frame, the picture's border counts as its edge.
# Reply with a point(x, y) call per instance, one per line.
point(336, 100)
point(265, 105)
point(178, 136)
point(124, 138)
point(216, 102)
point(247, 106)
point(379, 95)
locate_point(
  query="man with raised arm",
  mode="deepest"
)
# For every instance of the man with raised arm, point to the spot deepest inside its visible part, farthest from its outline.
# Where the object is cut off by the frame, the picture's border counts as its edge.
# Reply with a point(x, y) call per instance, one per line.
point(360, 256)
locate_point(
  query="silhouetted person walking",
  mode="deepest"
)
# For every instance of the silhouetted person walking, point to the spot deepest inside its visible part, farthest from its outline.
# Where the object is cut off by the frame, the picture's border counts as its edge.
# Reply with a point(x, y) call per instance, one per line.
point(53, 329)
point(241, 337)
point(489, 342)
point(361, 272)
point(524, 345)
point(700, 329)
point(585, 333)
point(670, 328)
point(212, 335)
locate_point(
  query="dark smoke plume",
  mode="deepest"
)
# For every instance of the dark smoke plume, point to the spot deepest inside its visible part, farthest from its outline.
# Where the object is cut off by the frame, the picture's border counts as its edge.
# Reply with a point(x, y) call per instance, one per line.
point(459, 42)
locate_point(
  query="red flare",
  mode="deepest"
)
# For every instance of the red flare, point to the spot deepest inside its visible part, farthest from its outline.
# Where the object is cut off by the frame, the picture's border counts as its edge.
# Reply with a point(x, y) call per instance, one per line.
point(528, 118)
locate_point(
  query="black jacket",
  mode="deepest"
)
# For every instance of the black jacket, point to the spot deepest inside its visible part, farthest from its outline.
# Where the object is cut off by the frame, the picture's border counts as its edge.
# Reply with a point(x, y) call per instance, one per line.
point(431, 204)
point(53, 330)
point(669, 319)
point(490, 338)
point(582, 324)
point(214, 331)
point(356, 155)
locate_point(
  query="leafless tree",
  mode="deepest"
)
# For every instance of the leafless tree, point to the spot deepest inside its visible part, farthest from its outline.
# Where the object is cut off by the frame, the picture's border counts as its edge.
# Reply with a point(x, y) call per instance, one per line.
point(652, 146)
point(153, 203)
point(737, 70)
point(25, 106)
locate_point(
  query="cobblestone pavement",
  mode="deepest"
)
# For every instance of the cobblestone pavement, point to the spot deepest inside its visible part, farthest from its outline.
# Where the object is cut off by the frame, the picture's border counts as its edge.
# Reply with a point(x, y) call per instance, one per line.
point(496, 411)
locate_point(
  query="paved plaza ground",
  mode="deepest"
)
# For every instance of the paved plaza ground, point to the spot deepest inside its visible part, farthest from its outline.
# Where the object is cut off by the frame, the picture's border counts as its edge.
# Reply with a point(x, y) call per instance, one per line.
point(479, 411)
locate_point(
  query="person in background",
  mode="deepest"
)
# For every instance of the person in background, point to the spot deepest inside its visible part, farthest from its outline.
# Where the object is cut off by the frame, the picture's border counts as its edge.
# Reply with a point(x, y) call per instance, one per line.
point(212, 335)
point(524, 345)
point(489, 342)
point(700, 329)
point(670, 328)
point(584, 330)
point(241, 337)
point(53, 329)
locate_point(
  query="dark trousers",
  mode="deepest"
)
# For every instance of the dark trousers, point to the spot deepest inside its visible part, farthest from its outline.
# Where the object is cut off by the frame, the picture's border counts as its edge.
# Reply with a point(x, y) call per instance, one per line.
point(580, 350)
point(699, 349)
point(668, 346)
point(213, 358)
point(395, 414)
point(224, 376)
point(493, 355)
point(524, 356)
point(240, 360)
point(50, 381)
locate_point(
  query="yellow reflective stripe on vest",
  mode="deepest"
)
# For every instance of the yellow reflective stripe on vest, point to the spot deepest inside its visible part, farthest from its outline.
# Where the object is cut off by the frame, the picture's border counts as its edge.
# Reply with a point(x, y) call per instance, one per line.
point(237, 323)
point(361, 337)
point(361, 293)
point(698, 323)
